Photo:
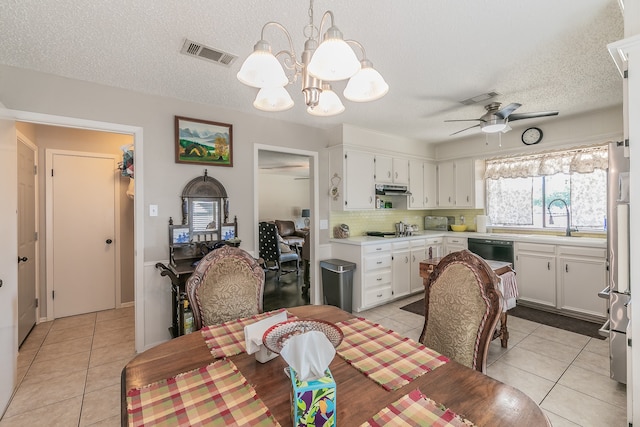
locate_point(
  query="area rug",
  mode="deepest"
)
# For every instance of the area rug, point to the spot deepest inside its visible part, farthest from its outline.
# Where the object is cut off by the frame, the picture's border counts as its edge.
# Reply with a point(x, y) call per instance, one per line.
point(578, 326)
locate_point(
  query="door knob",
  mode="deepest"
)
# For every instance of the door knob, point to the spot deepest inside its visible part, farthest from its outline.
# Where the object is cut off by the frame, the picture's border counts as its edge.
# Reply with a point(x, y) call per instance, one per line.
point(23, 259)
point(109, 241)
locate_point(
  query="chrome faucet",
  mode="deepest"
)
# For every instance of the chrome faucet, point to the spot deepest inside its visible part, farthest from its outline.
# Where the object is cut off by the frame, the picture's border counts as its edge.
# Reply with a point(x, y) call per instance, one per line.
point(568, 233)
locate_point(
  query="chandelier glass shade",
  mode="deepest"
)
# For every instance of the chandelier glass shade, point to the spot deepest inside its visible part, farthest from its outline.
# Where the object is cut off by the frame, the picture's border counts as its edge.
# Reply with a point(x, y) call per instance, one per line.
point(332, 60)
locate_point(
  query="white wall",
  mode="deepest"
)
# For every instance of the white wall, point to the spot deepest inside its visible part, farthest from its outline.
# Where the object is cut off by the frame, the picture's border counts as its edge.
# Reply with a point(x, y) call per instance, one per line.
point(280, 194)
point(163, 179)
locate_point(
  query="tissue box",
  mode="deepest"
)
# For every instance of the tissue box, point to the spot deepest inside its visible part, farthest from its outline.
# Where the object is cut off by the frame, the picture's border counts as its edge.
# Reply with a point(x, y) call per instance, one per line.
point(313, 403)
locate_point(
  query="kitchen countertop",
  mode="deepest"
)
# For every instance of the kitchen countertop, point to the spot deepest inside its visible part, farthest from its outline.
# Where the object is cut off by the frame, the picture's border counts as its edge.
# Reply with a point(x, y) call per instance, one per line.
point(592, 242)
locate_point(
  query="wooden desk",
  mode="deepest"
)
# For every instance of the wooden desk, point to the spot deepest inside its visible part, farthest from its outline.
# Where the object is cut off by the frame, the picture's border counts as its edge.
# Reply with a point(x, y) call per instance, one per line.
point(500, 268)
point(479, 398)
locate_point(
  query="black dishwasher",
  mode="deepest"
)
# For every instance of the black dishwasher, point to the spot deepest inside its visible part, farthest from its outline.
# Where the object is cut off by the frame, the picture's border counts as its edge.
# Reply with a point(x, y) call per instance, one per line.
point(490, 249)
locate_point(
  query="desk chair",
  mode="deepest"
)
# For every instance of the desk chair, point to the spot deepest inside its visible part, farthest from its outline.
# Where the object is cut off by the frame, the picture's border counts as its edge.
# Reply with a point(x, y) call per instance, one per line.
point(227, 284)
point(271, 251)
point(462, 307)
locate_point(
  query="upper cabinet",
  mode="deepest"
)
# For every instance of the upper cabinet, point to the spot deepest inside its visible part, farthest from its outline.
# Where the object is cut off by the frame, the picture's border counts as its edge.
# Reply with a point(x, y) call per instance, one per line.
point(391, 170)
point(352, 179)
point(460, 184)
point(422, 184)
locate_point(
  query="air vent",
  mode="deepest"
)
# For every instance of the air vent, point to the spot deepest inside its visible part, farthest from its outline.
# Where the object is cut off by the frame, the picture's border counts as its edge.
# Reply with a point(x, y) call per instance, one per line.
point(479, 98)
point(207, 53)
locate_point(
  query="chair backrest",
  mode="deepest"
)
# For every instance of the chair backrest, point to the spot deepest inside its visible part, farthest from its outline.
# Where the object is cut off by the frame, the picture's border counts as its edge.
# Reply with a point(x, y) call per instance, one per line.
point(227, 284)
point(269, 249)
point(462, 307)
point(285, 228)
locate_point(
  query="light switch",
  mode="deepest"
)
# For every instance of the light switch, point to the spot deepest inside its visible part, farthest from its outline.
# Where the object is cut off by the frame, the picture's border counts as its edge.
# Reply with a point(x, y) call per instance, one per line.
point(324, 224)
point(153, 210)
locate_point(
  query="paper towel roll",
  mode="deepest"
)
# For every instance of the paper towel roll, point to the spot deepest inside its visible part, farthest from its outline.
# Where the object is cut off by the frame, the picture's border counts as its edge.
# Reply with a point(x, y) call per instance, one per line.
point(481, 223)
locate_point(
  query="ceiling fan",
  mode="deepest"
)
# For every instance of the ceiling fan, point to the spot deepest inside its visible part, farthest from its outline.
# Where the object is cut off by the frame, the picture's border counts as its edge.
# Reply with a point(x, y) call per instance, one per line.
point(497, 119)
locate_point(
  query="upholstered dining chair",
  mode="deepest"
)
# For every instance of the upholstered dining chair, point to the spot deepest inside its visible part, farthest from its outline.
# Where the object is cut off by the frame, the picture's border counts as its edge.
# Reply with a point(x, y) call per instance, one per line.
point(462, 307)
point(227, 284)
point(271, 251)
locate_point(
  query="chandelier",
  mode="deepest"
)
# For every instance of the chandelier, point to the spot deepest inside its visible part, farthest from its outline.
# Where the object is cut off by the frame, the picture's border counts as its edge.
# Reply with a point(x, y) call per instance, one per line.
point(331, 60)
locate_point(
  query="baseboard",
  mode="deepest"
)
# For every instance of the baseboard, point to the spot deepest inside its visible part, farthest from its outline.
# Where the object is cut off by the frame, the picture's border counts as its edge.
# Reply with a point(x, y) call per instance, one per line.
point(127, 304)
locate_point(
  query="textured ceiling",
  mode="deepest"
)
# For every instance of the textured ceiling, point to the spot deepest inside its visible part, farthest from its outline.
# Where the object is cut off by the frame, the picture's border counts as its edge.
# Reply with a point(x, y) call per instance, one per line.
point(544, 54)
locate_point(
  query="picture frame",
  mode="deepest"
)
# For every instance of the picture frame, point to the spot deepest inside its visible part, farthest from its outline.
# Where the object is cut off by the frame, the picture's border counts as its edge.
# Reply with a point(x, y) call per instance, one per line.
point(203, 142)
point(179, 235)
point(228, 231)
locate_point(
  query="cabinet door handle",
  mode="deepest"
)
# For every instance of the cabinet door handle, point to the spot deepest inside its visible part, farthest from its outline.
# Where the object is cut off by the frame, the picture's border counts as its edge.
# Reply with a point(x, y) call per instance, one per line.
point(406, 259)
point(379, 279)
point(396, 175)
point(566, 268)
point(426, 199)
point(467, 198)
point(379, 262)
point(449, 199)
point(379, 295)
point(389, 174)
point(548, 265)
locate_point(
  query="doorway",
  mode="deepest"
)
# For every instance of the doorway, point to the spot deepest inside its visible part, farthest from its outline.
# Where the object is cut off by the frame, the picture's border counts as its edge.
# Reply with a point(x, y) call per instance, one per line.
point(285, 186)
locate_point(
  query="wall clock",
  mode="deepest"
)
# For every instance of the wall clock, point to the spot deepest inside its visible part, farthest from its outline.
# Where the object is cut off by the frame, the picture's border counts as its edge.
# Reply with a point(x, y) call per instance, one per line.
point(531, 136)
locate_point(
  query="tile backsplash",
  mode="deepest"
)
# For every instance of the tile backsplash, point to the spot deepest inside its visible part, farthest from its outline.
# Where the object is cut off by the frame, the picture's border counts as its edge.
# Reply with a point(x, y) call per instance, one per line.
point(384, 220)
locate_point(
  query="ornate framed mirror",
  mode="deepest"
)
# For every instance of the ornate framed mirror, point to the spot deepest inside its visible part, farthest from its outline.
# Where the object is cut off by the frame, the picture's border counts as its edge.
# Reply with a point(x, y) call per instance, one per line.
point(205, 209)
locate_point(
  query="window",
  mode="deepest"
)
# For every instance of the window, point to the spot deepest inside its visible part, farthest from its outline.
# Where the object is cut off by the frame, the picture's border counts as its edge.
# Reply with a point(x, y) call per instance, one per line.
point(538, 191)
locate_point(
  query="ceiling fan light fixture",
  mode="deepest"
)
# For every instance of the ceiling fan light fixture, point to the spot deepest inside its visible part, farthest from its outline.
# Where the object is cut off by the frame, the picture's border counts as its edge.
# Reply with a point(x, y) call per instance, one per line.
point(494, 125)
point(261, 69)
point(366, 85)
point(273, 99)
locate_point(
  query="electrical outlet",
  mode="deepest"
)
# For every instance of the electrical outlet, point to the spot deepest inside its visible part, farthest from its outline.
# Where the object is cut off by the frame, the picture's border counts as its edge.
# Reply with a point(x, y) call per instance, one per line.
point(153, 210)
point(324, 224)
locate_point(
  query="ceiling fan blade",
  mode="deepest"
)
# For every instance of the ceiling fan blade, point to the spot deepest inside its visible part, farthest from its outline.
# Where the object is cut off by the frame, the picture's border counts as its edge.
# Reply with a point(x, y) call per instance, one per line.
point(532, 115)
point(503, 113)
point(470, 127)
point(465, 120)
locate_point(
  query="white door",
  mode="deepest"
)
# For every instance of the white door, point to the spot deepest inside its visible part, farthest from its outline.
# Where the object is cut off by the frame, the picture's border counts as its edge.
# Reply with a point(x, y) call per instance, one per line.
point(26, 239)
point(82, 190)
point(8, 263)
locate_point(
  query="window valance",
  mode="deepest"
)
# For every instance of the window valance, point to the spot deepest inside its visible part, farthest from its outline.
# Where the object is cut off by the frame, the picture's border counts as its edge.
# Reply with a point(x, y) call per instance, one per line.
point(580, 160)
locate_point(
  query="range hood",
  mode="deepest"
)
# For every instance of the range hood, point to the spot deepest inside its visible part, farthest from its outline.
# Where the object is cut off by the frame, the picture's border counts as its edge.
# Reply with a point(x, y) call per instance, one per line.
point(392, 190)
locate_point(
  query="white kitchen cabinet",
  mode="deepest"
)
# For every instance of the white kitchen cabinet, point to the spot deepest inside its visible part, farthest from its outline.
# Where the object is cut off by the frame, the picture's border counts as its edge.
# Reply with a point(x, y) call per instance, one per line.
point(454, 244)
point(352, 179)
point(582, 273)
point(401, 269)
point(372, 278)
point(446, 184)
point(416, 184)
point(535, 265)
point(459, 184)
point(400, 171)
point(391, 170)
point(464, 184)
point(430, 186)
point(384, 169)
point(433, 247)
point(418, 254)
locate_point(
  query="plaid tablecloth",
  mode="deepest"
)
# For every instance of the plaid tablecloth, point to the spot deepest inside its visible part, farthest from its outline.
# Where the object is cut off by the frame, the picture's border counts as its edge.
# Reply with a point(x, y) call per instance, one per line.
point(383, 355)
point(214, 395)
point(416, 409)
point(227, 339)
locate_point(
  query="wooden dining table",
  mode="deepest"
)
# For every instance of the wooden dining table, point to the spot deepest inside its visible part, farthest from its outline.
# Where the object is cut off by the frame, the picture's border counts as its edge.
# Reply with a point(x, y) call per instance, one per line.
point(469, 393)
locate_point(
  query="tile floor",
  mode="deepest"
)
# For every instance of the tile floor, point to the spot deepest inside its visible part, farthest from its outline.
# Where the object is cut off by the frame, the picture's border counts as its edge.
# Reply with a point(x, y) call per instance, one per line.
point(69, 369)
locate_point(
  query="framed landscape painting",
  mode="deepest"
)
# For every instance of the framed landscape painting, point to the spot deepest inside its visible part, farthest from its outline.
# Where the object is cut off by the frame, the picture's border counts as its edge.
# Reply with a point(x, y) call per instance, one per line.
point(203, 142)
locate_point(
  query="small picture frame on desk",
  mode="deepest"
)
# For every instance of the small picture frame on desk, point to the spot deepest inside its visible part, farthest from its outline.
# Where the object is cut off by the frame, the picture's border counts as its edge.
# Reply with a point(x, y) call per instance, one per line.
point(228, 231)
point(179, 235)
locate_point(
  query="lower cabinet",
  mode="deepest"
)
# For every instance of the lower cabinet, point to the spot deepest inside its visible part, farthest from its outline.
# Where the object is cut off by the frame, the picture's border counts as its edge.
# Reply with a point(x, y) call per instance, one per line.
point(535, 267)
point(418, 254)
point(454, 244)
point(401, 269)
point(564, 278)
point(582, 273)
